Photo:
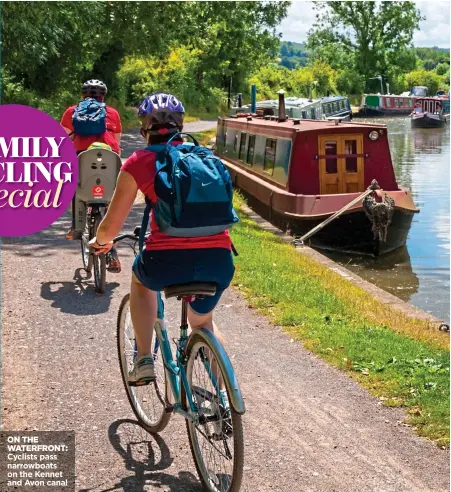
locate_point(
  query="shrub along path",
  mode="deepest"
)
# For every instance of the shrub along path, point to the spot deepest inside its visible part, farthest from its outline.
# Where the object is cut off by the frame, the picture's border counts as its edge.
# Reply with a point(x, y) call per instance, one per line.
point(308, 427)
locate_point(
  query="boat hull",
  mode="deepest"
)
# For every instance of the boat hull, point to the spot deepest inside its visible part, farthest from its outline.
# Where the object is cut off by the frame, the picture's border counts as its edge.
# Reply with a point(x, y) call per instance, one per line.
point(370, 112)
point(426, 122)
point(349, 233)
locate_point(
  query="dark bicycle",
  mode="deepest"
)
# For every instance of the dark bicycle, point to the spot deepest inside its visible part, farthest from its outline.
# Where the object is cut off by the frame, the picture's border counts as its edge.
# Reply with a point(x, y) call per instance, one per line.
point(98, 170)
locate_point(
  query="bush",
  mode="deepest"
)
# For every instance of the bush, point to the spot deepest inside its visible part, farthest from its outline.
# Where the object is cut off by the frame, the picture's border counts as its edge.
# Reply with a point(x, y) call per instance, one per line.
point(422, 77)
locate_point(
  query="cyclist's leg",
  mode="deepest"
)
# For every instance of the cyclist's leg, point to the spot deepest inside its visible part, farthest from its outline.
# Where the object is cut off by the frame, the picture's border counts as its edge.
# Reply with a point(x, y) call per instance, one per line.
point(197, 320)
point(143, 310)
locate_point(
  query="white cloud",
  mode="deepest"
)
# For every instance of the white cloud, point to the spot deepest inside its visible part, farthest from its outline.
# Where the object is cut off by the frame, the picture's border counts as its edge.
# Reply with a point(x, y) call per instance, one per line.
point(434, 31)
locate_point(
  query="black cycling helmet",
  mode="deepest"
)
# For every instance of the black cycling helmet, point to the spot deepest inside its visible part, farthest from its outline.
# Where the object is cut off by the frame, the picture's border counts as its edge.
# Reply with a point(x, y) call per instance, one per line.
point(94, 88)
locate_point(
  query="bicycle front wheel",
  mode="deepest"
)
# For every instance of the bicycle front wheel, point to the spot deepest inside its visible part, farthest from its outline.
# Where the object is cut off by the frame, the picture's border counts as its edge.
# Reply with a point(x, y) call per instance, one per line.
point(217, 440)
point(147, 402)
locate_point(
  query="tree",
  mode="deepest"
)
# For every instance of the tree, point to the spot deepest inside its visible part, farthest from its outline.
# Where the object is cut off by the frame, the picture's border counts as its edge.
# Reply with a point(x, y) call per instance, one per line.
point(372, 34)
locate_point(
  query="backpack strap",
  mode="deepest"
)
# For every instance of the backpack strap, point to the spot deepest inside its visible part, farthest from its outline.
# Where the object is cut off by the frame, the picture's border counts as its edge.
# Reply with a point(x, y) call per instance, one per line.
point(157, 148)
point(144, 224)
point(182, 134)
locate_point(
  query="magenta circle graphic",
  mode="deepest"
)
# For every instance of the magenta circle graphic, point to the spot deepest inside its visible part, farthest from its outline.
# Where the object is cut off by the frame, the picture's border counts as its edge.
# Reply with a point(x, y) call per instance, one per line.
point(38, 170)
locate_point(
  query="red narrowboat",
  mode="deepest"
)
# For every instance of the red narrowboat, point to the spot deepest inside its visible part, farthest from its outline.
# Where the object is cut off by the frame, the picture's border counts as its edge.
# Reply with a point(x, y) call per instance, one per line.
point(297, 173)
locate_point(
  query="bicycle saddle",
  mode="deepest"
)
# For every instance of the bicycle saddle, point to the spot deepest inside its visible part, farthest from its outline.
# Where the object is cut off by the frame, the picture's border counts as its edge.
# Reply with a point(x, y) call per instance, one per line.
point(193, 289)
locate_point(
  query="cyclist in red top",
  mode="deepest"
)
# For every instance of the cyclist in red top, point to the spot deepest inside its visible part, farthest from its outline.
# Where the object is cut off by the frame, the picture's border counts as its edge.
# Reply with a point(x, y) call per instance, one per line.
point(97, 90)
point(112, 137)
point(166, 260)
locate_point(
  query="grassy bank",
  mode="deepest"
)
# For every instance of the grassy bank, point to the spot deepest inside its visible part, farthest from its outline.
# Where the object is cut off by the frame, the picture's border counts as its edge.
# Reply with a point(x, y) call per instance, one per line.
point(402, 361)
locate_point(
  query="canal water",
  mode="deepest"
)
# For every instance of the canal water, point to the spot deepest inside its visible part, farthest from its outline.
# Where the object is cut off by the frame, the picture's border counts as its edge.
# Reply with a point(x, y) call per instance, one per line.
point(420, 272)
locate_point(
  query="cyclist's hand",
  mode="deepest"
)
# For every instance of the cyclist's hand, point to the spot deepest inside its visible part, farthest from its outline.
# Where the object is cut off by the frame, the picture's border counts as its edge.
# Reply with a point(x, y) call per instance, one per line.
point(100, 248)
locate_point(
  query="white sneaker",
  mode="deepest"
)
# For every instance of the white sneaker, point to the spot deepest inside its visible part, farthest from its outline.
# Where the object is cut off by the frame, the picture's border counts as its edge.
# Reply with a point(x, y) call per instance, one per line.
point(143, 371)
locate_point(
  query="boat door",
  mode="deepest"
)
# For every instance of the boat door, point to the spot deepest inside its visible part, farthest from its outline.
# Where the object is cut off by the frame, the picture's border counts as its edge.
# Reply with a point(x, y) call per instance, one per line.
point(340, 164)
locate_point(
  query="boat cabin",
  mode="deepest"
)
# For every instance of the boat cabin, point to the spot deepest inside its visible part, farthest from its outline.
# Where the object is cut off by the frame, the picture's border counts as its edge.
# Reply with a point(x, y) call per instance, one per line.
point(335, 106)
point(432, 105)
point(308, 157)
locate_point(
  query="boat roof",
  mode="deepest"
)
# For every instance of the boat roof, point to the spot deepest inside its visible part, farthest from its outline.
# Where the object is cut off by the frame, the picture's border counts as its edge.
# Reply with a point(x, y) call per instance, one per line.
point(303, 126)
point(332, 98)
point(433, 98)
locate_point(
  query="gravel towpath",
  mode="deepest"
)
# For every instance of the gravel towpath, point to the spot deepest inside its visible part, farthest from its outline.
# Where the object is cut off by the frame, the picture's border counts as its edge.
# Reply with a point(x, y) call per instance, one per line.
point(308, 427)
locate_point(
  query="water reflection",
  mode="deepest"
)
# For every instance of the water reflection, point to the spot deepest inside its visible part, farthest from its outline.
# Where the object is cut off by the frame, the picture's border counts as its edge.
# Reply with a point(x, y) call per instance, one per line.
point(419, 273)
point(393, 271)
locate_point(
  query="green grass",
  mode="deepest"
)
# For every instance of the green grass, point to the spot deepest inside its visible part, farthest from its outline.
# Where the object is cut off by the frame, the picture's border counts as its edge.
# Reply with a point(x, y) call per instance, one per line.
point(204, 138)
point(402, 361)
point(192, 115)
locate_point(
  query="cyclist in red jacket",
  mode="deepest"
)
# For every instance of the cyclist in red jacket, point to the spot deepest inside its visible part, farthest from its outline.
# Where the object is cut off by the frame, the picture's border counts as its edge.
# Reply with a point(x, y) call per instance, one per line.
point(112, 137)
point(97, 90)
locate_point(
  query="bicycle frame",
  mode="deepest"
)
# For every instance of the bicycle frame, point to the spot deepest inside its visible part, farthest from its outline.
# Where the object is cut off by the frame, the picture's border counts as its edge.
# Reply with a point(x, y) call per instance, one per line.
point(175, 369)
point(177, 373)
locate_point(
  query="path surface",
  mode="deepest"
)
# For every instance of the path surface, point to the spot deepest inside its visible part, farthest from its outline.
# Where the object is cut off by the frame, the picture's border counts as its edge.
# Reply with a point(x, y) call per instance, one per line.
point(132, 140)
point(308, 427)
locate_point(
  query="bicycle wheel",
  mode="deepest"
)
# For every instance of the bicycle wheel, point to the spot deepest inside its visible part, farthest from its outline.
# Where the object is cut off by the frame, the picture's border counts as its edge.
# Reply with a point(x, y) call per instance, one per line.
point(147, 402)
point(85, 253)
point(98, 261)
point(217, 441)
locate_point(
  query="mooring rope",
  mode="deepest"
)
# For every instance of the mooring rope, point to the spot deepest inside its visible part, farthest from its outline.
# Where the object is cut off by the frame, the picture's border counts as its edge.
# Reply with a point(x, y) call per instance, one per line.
point(373, 187)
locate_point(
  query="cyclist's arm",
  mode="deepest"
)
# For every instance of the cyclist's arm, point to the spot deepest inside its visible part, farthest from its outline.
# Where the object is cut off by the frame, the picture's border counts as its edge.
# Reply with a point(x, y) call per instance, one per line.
point(66, 121)
point(119, 208)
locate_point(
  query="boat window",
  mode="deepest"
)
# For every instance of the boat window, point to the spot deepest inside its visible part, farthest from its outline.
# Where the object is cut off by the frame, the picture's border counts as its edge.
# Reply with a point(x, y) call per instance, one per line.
point(242, 146)
point(335, 107)
point(312, 114)
point(235, 142)
point(351, 162)
point(304, 115)
point(270, 155)
point(396, 103)
point(331, 162)
point(250, 150)
point(388, 102)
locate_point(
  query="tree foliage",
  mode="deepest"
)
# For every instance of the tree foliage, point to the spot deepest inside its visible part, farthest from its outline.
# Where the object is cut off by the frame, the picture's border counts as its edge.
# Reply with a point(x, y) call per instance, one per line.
point(374, 36)
point(49, 48)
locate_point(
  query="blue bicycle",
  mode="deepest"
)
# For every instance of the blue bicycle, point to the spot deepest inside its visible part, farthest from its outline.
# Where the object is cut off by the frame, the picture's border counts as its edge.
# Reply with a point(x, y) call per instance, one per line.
point(199, 384)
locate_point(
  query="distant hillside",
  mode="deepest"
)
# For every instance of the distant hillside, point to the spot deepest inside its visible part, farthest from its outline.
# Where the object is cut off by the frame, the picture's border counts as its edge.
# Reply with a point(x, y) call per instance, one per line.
point(293, 55)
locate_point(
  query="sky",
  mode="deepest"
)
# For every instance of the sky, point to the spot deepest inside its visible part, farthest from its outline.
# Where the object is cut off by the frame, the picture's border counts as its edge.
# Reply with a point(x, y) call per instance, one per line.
point(434, 31)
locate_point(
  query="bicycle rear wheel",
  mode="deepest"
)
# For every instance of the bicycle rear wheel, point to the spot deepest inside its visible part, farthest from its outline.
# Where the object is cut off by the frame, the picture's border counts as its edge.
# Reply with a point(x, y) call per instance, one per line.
point(217, 440)
point(85, 253)
point(147, 402)
point(98, 261)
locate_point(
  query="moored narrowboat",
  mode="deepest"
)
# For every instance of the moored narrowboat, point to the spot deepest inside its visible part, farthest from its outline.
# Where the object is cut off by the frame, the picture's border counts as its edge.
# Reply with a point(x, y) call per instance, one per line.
point(386, 105)
point(297, 173)
point(430, 112)
point(336, 107)
point(295, 107)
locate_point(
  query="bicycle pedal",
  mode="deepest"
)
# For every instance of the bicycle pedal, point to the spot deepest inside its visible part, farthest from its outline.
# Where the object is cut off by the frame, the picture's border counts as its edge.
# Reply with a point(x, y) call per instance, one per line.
point(142, 382)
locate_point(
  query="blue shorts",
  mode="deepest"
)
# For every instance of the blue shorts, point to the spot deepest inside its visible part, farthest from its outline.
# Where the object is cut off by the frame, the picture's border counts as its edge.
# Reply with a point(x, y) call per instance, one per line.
point(162, 268)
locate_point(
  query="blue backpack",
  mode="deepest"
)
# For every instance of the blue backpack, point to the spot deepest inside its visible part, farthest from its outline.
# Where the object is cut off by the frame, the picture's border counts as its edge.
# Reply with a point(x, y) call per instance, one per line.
point(89, 117)
point(194, 191)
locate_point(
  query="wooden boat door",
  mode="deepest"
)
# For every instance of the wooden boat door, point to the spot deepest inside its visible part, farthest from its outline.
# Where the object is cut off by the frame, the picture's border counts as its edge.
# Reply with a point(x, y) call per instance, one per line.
point(340, 164)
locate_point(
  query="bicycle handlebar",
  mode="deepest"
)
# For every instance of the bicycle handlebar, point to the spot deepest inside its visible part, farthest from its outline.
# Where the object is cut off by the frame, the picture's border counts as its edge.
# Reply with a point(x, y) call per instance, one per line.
point(125, 236)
